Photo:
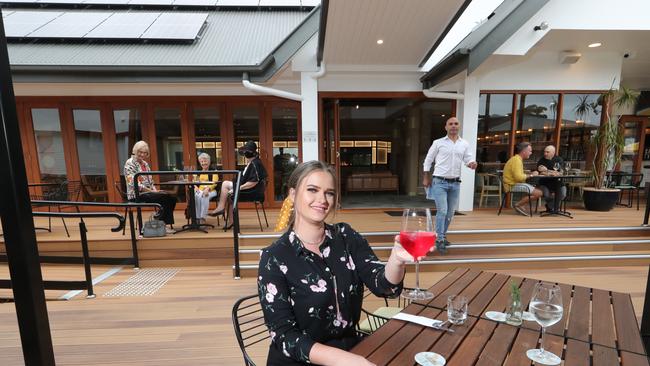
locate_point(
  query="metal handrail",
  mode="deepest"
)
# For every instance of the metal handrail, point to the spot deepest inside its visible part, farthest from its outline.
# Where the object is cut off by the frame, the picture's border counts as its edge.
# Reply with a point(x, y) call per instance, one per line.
point(235, 202)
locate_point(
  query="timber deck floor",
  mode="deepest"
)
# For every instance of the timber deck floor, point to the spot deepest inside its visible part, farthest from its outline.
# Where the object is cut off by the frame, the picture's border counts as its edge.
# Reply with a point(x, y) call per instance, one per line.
point(188, 321)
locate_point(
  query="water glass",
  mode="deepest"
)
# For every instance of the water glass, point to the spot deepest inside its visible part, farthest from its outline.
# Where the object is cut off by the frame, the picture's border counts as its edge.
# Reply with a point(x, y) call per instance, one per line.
point(457, 309)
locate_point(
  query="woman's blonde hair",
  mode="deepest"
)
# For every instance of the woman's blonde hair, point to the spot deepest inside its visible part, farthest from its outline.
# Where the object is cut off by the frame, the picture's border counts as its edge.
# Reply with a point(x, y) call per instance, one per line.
point(139, 145)
point(301, 172)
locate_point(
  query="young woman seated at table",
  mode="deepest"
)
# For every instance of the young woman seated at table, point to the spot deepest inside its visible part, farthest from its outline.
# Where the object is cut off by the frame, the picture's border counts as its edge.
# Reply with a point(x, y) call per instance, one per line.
point(249, 189)
point(146, 187)
point(205, 192)
point(311, 280)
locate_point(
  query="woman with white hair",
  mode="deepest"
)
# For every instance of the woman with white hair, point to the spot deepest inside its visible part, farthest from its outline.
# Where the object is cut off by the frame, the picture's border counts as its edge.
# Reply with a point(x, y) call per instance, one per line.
point(146, 187)
point(205, 192)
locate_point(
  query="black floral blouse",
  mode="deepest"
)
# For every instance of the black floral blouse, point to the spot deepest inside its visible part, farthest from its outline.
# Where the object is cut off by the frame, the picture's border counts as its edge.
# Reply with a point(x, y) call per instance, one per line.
point(308, 299)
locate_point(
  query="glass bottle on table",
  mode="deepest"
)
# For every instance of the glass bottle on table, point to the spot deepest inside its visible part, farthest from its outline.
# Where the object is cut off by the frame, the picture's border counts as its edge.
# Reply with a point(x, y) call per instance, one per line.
point(417, 237)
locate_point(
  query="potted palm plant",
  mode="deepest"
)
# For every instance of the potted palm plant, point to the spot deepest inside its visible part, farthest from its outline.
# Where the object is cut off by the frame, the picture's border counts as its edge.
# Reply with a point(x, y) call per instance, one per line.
point(608, 144)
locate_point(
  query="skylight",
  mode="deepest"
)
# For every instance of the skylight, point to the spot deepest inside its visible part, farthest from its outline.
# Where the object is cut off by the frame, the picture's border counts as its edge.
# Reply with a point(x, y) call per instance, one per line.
point(475, 14)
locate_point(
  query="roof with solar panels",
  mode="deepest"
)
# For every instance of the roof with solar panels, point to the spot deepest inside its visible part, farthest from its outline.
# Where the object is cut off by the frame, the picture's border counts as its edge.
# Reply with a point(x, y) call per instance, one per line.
point(212, 39)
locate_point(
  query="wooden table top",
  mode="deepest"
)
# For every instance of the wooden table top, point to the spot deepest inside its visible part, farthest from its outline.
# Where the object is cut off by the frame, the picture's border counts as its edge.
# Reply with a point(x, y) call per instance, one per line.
point(598, 327)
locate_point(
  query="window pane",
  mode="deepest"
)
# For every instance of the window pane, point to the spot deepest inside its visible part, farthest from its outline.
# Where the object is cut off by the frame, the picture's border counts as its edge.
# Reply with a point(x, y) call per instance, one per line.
point(128, 131)
point(580, 119)
point(90, 150)
point(285, 148)
point(169, 138)
point(208, 136)
point(494, 126)
point(49, 144)
point(536, 119)
point(246, 122)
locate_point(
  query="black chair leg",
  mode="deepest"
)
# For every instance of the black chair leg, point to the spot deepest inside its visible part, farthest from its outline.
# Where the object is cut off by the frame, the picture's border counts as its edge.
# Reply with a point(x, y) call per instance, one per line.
point(503, 202)
point(264, 211)
point(64, 225)
point(530, 205)
point(258, 216)
point(126, 212)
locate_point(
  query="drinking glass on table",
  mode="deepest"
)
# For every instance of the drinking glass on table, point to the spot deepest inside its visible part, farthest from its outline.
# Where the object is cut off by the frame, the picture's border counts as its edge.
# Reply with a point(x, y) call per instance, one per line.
point(417, 237)
point(546, 306)
point(457, 309)
point(557, 166)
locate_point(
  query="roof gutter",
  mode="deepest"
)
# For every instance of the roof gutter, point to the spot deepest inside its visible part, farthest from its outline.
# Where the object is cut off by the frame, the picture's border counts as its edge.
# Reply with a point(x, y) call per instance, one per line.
point(442, 95)
point(269, 91)
point(322, 27)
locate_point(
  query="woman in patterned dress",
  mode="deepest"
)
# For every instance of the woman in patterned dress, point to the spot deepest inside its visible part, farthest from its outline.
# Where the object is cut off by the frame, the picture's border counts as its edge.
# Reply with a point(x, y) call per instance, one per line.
point(311, 280)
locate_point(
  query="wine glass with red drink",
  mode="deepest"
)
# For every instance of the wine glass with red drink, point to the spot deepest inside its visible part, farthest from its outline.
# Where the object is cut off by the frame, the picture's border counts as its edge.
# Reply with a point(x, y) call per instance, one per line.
point(417, 237)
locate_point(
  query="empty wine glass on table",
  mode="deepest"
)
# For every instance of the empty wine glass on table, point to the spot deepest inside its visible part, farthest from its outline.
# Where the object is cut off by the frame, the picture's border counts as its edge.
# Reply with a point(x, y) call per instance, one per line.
point(557, 166)
point(546, 306)
point(417, 237)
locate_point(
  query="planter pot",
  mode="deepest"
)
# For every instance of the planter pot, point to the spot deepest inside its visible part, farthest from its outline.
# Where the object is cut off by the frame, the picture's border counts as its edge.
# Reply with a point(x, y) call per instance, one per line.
point(600, 199)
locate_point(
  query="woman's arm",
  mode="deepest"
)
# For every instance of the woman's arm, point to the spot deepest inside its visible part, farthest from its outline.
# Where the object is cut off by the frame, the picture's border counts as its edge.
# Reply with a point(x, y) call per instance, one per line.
point(325, 355)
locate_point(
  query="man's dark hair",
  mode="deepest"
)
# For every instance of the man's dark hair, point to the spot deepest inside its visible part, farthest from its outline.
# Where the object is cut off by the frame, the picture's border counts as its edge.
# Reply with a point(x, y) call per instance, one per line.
point(521, 146)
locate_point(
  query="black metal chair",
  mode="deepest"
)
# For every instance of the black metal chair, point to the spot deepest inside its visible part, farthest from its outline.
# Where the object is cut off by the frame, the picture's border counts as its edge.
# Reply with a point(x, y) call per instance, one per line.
point(626, 182)
point(258, 200)
point(378, 317)
point(120, 187)
point(511, 193)
point(65, 191)
point(248, 321)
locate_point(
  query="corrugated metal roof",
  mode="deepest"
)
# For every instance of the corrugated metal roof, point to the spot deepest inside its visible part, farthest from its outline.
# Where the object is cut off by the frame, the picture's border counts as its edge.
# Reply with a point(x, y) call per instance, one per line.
point(230, 38)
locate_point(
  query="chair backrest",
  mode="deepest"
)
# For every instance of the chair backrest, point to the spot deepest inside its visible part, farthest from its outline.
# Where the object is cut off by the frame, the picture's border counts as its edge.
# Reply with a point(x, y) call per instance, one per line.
point(121, 189)
point(248, 321)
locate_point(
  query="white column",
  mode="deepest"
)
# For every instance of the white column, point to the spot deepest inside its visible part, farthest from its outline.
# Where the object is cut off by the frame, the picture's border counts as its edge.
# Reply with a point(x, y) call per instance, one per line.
point(467, 112)
point(309, 108)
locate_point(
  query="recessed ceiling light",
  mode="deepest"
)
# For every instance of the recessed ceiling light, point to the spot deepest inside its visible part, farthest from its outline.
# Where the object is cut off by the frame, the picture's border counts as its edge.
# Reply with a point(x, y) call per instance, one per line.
point(357, 106)
point(594, 45)
point(380, 41)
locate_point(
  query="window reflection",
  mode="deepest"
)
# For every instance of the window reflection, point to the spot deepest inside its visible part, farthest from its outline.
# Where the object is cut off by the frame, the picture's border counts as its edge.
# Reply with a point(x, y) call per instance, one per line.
point(246, 122)
point(128, 131)
point(90, 150)
point(49, 144)
point(208, 136)
point(581, 114)
point(494, 128)
point(536, 120)
point(168, 138)
point(285, 148)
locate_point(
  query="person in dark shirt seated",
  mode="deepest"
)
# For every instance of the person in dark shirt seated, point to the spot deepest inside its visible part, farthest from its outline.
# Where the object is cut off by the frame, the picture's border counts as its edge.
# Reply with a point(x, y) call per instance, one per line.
point(311, 281)
point(550, 165)
point(249, 188)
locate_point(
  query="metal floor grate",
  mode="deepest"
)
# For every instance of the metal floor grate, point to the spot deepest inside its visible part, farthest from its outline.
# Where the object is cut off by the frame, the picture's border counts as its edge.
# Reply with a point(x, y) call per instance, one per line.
point(145, 283)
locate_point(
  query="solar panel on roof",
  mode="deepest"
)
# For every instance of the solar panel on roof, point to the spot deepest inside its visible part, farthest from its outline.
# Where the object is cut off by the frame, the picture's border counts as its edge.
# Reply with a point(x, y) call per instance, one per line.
point(196, 2)
point(22, 23)
point(59, 1)
point(310, 2)
point(181, 26)
point(151, 2)
point(238, 3)
point(279, 2)
point(107, 2)
point(71, 25)
point(124, 25)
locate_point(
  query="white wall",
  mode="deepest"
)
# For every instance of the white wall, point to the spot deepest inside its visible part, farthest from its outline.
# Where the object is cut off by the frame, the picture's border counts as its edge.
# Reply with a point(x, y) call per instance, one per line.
point(579, 15)
point(543, 71)
point(371, 78)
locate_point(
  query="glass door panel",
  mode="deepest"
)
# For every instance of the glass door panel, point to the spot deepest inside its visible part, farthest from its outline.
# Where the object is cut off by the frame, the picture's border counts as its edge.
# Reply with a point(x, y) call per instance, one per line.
point(246, 126)
point(536, 120)
point(90, 152)
point(49, 144)
point(207, 135)
point(128, 131)
point(169, 146)
point(493, 137)
point(632, 138)
point(285, 147)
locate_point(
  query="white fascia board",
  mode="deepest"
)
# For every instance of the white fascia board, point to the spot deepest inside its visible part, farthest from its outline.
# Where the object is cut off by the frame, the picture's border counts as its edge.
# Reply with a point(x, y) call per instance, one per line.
point(578, 15)
point(370, 81)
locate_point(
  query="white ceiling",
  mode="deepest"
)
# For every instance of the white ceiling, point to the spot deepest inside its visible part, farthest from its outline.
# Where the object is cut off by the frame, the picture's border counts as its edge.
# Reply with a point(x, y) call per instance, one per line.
point(409, 29)
point(636, 68)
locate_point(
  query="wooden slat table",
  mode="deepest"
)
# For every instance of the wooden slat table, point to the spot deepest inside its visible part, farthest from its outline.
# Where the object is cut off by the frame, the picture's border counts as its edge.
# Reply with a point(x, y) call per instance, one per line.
point(598, 327)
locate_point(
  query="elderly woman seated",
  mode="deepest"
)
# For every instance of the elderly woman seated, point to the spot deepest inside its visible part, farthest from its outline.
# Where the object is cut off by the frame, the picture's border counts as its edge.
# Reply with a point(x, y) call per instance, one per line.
point(205, 192)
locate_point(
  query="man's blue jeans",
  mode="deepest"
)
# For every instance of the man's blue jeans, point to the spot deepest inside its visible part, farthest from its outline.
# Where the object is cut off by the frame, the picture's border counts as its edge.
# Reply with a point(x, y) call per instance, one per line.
point(446, 196)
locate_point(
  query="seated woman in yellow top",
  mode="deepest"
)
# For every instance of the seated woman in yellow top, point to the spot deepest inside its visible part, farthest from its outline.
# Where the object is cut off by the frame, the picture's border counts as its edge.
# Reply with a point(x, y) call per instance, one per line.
point(514, 178)
point(205, 192)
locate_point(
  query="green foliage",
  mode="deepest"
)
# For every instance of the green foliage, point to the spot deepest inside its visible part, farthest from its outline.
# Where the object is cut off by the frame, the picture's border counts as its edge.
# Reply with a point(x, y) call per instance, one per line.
point(515, 293)
point(608, 142)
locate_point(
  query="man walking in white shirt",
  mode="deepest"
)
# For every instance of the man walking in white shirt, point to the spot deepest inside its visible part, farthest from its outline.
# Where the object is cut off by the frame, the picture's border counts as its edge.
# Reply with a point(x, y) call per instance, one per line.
point(448, 153)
